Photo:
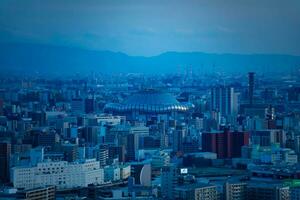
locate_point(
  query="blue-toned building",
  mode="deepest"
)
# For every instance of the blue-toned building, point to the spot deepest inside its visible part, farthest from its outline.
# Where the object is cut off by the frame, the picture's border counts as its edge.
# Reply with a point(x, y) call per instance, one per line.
point(147, 103)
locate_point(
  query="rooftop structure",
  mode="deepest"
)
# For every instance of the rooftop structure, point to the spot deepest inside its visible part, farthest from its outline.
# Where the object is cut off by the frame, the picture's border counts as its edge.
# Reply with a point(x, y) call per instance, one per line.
point(149, 101)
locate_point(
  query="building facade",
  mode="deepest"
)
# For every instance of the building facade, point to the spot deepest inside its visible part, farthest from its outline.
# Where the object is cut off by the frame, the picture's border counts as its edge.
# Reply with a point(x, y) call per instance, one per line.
point(61, 174)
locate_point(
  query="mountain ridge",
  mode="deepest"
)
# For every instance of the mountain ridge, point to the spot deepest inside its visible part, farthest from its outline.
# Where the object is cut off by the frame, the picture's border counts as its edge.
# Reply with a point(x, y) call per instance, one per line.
point(27, 58)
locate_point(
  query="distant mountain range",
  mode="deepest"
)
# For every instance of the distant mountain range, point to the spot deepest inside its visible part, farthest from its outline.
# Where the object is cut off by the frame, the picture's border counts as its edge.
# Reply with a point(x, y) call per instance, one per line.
point(32, 58)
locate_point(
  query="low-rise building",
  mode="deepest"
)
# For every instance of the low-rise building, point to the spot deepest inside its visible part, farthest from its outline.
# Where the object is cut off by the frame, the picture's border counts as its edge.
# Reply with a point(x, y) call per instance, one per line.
point(61, 174)
point(111, 173)
point(45, 193)
point(196, 192)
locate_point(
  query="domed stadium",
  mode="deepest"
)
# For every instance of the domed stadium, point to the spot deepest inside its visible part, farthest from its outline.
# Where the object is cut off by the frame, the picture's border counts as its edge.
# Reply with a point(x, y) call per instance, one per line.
point(149, 102)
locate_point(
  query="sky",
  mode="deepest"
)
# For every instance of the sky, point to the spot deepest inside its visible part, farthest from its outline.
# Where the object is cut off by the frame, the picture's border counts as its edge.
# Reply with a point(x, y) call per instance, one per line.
point(151, 27)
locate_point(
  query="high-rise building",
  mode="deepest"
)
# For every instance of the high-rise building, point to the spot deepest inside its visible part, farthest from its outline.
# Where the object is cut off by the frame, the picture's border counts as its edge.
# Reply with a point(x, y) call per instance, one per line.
point(38, 117)
point(163, 135)
point(169, 178)
point(41, 136)
point(102, 156)
point(70, 152)
point(250, 87)
point(48, 139)
point(224, 100)
point(239, 139)
point(178, 138)
point(132, 146)
point(117, 152)
point(1, 107)
point(91, 134)
point(225, 143)
point(77, 106)
point(134, 140)
point(5, 153)
point(89, 105)
point(268, 137)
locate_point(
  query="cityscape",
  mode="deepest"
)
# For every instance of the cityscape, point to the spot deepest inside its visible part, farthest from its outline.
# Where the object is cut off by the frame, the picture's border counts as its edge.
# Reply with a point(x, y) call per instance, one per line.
point(80, 123)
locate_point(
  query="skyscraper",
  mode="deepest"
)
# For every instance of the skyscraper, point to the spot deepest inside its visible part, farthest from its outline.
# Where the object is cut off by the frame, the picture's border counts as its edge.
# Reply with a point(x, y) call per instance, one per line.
point(163, 135)
point(89, 105)
point(5, 152)
point(77, 105)
point(178, 138)
point(132, 146)
point(1, 107)
point(168, 181)
point(223, 100)
point(250, 87)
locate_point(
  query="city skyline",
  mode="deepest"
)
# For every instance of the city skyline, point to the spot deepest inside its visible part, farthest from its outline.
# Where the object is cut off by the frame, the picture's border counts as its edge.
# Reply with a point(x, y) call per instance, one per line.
point(150, 100)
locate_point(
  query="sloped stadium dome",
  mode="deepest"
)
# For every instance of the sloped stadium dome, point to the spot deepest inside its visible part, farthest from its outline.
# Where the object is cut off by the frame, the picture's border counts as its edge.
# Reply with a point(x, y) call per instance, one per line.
point(149, 101)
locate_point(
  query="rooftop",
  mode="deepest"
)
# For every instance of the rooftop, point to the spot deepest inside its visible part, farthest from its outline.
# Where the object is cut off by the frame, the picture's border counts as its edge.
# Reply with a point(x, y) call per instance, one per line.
point(149, 101)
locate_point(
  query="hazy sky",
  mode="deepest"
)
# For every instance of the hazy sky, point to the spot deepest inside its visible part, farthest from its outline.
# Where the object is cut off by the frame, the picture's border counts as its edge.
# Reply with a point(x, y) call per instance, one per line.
point(150, 27)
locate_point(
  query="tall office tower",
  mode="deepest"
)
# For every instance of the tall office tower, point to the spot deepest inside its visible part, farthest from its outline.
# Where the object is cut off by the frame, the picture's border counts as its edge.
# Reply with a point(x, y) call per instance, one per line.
point(70, 152)
point(1, 107)
point(134, 140)
point(116, 152)
point(223, 100)
point(102, 156)
point(297, 144)
point(178, 138)
point(250, 87)
point(91, 134)
point(38, 117)
point(77, 106)
point(268, 137)
point(132, 146)
point(5, 153)
point(89, 105)
point(47, 139)
point(163, 135)
point(168, 181)
point(239, 139)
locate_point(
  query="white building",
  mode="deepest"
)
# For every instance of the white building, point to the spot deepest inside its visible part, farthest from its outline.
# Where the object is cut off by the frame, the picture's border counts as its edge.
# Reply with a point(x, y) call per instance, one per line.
point(61, 174)
point(125, 171)
point(93, 120)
